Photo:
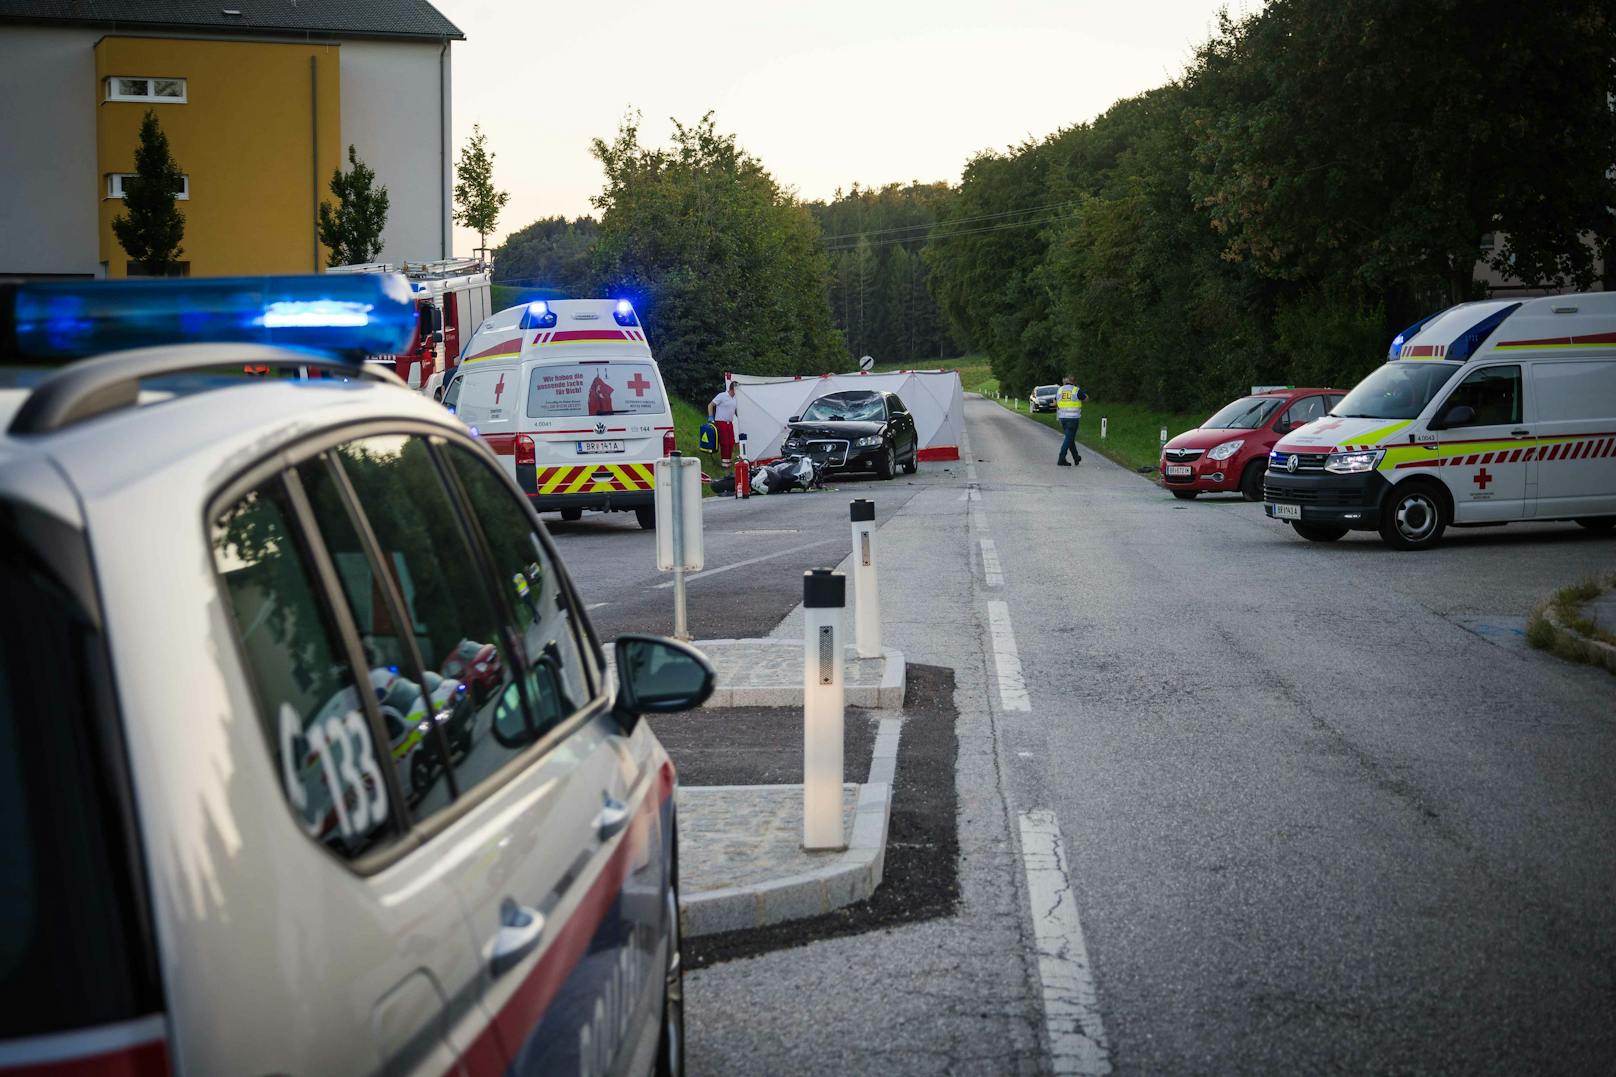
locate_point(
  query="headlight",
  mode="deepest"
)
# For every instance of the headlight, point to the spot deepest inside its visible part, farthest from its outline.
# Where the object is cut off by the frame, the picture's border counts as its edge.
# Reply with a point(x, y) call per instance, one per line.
point(481, 667)
point(1353, 463)
point(1226, 450)
point(793, 443)
point(874, 439)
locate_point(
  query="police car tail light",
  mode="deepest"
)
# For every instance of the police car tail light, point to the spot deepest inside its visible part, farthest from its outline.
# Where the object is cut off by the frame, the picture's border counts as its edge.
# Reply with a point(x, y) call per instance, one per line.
point(349, 314)
point(624, 313)
point(538, 315)
point(1353, 463)
point(525, 454)
point(668, 443)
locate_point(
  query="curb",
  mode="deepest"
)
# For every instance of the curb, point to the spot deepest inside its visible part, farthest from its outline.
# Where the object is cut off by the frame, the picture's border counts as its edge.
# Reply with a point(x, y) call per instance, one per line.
point(852, 878)
point(1567, 641)
point(888, 695)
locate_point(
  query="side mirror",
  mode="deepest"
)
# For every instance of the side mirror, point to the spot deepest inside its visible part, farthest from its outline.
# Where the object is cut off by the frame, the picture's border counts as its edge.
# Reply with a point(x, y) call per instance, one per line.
point(437, 336)
point(795, 419)
point(1283, 426)
point(1457, 415)
point(656, 675)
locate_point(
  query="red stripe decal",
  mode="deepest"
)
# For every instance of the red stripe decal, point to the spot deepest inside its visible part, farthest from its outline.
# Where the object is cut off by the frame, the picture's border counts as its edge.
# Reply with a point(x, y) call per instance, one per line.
point(939, 452)
point(1419, 463)
point(1515, 456)
point(1422, 349)
point(502, 444)
point(587, 334)
point(497, 349)
point(1473, 458)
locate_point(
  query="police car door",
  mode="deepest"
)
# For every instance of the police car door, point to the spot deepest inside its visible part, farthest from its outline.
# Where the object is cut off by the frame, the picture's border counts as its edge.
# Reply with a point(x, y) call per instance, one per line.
point(1485, 444)
point(566, 896)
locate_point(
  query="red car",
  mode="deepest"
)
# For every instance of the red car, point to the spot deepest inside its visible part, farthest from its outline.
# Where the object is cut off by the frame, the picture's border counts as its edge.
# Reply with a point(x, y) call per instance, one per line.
point(1229, 452)
point(474, 664)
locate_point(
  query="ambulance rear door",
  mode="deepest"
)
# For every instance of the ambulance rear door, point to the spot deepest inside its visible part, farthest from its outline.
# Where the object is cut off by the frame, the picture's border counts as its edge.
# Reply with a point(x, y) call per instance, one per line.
point(598, 423)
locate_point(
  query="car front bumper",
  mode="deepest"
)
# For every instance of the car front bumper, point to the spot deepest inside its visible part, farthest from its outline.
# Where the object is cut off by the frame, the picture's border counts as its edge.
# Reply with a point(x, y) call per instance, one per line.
point(1350, 501)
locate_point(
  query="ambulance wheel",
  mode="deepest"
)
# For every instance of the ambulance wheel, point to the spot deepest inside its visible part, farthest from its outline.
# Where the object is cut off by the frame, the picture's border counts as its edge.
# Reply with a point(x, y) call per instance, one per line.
point(1597, 523)
point(1186, 495)
point(1414, 517)
point(646, 514)
point(572, 515)
point(887, 466)
point(1318, 532)
point(1251, 480)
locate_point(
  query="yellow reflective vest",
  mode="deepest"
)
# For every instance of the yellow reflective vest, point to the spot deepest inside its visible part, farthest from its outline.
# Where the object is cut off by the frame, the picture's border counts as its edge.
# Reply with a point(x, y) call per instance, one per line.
point(1069, 402)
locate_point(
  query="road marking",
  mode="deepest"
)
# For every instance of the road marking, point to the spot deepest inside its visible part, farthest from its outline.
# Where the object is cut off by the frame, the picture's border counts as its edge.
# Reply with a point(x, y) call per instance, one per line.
point(973, 494)
point(1071, 1003)
point(992, 573)
point(596, 605)
point(693, 577)
point(1007, 660)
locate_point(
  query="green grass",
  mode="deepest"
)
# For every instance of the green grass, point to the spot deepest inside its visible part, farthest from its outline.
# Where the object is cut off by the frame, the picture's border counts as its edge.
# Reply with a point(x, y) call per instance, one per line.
point(976, 376)
point(1133, 432)
point(1559, 625)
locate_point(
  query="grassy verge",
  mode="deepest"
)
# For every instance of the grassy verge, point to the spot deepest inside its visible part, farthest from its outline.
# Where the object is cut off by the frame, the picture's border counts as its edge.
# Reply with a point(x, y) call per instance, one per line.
point(976, 376)
point(1133, 432)
point(1559, 625)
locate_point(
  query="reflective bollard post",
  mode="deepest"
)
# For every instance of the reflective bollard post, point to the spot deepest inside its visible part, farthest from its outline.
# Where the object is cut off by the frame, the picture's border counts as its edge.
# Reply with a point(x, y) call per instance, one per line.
point(824, 596)
point(866, 592)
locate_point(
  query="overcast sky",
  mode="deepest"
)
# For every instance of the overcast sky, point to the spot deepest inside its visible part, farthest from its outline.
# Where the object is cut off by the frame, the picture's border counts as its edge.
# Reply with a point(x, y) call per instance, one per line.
point(823, 93)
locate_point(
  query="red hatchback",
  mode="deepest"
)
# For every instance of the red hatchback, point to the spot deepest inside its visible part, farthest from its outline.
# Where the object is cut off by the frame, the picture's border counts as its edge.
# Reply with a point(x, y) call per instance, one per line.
point(1229, 452)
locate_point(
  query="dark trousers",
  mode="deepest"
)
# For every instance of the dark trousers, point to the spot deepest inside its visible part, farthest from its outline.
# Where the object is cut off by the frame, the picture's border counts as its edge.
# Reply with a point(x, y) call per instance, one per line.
point(1069, 445)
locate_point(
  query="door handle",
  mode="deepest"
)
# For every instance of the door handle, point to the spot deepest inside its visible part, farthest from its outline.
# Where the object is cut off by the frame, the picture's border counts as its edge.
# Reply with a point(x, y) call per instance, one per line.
point(612, 819)
point(520, 928)
point(1521, 433)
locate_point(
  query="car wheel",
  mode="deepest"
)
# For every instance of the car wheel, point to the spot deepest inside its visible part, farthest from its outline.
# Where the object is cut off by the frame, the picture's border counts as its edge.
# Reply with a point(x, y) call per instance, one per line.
point(1318, 532)
point(572, 515)
point(1597, 523)
point(420, 772)
point(1414, 517)
point(887, 466)
point(914, 461)
point(671, 1045)
point(1185, 495)
point(646, 514)
point(1251, 480)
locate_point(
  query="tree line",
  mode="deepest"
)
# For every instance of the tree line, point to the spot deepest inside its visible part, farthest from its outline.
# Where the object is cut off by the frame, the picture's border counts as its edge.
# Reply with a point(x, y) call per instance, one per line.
point(1323, 174)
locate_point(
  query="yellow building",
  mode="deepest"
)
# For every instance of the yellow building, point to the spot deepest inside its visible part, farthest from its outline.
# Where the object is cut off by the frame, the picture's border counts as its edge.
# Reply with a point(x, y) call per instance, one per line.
point(259, 110)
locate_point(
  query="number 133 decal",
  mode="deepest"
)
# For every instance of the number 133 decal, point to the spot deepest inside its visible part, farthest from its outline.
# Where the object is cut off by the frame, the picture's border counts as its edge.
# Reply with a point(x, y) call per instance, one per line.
point(341, 746)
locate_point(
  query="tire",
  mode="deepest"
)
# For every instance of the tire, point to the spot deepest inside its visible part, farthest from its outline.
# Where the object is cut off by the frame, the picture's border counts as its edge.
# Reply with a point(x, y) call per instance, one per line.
point(1186, 495)
point(1597, 523)
point(1251, 480)
point(646, 514)
point(572, 516)
point(1414, 516)
point(670, 1061)
point(421, 772)
point(887, 466)
point(1318, 532)
point(914, 461)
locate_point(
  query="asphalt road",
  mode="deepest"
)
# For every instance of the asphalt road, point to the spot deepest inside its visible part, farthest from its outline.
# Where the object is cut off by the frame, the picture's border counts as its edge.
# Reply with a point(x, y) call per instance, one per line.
point(1322, 810)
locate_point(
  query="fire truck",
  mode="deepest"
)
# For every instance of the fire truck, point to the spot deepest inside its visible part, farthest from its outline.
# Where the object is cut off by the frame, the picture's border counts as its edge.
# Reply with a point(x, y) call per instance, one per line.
point(452, 298)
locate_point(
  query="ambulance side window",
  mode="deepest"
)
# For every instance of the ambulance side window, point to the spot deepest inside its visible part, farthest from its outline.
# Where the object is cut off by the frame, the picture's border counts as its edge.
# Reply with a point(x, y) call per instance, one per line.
point(1494, 393)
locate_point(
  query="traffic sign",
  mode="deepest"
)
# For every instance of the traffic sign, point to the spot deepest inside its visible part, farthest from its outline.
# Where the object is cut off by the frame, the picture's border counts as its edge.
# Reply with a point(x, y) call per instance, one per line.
point(867, 362)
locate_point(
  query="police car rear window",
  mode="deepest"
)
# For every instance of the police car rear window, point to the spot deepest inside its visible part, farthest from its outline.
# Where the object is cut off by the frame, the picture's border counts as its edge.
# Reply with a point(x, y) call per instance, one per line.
point(576, 390)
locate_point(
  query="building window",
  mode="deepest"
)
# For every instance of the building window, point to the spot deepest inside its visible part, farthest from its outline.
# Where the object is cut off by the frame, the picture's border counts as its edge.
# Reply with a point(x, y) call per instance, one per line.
point(116, 182)
point(128, 88)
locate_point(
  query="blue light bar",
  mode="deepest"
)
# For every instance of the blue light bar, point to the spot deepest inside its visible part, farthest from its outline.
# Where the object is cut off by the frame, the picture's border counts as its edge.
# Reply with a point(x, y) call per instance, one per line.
point(1473, 338)
point(1408, 334)
point(351, 314)
point(538, 316)
point(624, 314)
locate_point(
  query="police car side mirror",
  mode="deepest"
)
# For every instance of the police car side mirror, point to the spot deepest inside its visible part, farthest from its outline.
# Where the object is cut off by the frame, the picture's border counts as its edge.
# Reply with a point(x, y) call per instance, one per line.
point(1457, 415)
point(795, 419)
point(656, 675)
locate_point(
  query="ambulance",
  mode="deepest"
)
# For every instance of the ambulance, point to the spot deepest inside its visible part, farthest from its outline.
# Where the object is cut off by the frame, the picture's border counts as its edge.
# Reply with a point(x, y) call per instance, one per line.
point(1483, 414)
point(567, 394)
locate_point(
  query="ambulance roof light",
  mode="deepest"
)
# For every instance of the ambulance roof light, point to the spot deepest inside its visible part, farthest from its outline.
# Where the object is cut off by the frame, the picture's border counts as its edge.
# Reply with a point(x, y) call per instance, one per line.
point(1471, 340)
point(538, 315)
point(624, 314)
point(1406, 335)
point(352, 315)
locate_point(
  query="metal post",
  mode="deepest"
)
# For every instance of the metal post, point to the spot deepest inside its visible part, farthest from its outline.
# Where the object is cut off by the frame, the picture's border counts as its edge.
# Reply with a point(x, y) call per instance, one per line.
point(866, 593)
point(1102, 428)
point(681, 627)
point(824, 595)
point(1164, 437)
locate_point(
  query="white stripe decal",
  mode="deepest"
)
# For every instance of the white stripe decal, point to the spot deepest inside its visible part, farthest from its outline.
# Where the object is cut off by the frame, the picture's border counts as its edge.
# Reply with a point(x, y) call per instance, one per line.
point(1007, 660)
point(1071, 1002)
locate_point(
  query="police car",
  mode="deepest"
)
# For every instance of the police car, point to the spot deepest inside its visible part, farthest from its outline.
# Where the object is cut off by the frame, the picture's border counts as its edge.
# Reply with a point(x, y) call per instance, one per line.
point(1483, 414)
point(230, 847)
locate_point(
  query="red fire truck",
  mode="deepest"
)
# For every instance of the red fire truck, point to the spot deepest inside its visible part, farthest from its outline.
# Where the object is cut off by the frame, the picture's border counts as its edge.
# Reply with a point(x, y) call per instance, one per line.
point(452, 298)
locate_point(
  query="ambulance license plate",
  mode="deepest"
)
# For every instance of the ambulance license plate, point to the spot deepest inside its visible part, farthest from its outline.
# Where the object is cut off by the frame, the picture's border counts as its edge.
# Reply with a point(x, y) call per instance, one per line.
point(588, 447)
point(1176, 471)
point(1285, 512)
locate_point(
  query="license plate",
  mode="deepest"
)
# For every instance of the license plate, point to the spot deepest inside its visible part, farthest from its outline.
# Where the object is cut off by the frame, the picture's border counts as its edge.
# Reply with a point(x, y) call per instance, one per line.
point(1178, 471)
point(587, 447)
point(1285, 512)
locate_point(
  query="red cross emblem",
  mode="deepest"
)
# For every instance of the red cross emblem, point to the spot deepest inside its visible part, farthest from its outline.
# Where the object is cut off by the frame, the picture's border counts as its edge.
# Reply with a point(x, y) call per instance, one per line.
point(1331, 425)
point(1482, 478)
point(499, 387)
point(638, 384)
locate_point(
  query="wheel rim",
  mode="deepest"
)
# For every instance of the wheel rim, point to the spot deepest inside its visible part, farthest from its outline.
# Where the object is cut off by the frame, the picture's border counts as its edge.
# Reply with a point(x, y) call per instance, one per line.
point(892, 460)
point(1416, 517)
point(674, 994)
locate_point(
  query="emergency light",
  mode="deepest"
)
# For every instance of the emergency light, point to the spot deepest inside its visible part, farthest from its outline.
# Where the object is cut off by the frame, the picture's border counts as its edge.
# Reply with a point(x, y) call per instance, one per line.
point(351, 315)
point(624, 314)
point(538, 316)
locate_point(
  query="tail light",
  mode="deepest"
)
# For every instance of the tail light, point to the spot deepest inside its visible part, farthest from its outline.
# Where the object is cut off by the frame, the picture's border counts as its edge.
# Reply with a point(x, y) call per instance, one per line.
point(668, 443)
point(525, 455)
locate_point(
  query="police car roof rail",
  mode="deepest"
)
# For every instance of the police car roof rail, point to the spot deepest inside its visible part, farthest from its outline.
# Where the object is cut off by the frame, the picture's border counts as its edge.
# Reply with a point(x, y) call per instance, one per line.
point(91, 387)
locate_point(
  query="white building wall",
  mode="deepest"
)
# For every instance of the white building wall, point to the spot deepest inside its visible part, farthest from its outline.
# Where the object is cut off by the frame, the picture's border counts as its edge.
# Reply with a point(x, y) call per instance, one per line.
point(49, 190)
point(395, 112)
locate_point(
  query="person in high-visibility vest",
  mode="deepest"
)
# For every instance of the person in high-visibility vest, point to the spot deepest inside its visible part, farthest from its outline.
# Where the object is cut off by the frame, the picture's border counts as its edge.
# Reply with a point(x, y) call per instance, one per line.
point(1069, 410)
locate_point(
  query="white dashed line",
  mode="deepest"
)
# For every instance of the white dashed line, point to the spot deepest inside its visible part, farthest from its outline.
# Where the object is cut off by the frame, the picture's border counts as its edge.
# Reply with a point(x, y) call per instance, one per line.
point(1007, 660)
point(992, 573)
point(1071, 1003)
point(596, 605)
point(693, 577)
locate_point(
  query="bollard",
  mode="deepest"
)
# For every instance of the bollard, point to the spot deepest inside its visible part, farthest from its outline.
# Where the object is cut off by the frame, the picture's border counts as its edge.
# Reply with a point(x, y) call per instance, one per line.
point(866, 593)
point(1164, 437)
point(743, 469)
point(1102, 428)
point(824, 595)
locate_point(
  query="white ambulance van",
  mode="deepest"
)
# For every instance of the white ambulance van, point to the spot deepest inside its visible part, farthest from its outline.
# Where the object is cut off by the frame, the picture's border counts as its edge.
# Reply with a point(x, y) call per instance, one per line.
point(1483, 414)
point(568, 396)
